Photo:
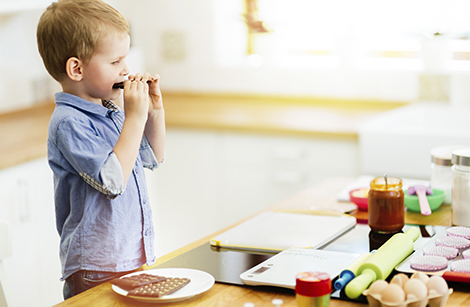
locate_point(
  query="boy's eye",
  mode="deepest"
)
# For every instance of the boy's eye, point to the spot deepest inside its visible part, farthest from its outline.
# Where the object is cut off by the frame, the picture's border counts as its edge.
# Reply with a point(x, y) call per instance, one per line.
point(115, 63)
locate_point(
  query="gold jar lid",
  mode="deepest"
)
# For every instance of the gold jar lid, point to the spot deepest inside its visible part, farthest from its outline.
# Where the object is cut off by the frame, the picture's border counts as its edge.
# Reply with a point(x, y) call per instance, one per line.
point(386, 184)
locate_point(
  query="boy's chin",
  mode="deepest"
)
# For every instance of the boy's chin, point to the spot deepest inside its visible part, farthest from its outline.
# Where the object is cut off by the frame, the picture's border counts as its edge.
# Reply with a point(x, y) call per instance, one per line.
point(115, 95)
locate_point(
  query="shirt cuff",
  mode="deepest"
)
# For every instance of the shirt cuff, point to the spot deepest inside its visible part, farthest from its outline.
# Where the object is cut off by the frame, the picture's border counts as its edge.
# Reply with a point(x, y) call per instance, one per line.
point(111, 175)
point(147, 155)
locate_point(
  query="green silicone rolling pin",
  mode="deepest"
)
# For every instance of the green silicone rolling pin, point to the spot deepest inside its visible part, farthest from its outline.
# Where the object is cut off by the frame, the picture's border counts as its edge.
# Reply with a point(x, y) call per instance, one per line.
point(381, 263)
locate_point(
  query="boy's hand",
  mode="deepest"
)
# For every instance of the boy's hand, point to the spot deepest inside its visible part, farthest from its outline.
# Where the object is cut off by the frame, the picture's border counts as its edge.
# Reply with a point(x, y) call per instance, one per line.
point(136, 98)
point(156, 103)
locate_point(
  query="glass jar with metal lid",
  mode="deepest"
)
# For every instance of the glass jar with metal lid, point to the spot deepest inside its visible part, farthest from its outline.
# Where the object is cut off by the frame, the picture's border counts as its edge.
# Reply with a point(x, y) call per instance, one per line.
point(386, 205)
point(441, 169)
point(461, 187)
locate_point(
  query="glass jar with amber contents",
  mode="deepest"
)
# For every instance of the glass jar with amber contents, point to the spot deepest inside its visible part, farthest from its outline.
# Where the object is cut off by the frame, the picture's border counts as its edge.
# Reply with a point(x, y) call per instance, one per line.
point(386, 205)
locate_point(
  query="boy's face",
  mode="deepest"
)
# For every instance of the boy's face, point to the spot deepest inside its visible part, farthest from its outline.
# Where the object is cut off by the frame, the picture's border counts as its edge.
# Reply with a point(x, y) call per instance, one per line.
point(106, 67)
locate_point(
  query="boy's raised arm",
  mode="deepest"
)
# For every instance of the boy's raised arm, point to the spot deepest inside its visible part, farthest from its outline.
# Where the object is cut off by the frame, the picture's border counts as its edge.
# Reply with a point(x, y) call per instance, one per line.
point(136, 105)
point(155, 130)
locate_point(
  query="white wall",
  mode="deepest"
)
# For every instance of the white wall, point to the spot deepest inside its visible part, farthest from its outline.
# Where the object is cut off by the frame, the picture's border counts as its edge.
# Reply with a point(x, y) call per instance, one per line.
point(23, 78)
point(24, 81)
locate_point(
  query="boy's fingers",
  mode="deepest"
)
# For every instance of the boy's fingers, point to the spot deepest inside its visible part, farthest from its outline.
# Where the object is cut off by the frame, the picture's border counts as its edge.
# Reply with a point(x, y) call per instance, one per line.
point(146, 76)
point(155, 78)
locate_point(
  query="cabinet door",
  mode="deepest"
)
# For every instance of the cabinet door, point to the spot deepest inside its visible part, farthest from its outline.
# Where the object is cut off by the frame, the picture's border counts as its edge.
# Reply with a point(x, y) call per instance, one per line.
point(26, 202)
point(184, 190)
point(261, 170)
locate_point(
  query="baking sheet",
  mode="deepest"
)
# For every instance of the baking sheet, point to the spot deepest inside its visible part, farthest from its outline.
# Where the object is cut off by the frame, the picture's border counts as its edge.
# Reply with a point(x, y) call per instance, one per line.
point(405, 267)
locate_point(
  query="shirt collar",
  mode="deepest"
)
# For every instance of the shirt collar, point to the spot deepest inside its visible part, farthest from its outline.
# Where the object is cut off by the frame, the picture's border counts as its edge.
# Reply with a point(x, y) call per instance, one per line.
point(110, 105)
point(62, 98)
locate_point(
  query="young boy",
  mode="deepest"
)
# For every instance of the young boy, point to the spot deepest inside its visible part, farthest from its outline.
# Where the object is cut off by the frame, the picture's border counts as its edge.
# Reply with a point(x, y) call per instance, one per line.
point(97, 154)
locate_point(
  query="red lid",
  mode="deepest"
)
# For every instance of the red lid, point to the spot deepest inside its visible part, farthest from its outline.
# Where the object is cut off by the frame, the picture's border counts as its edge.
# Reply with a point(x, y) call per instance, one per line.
point(313, 284)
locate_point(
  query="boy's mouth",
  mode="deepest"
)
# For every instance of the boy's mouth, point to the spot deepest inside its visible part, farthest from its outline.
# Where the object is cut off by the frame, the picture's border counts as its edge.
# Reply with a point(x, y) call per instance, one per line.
point(119, 84)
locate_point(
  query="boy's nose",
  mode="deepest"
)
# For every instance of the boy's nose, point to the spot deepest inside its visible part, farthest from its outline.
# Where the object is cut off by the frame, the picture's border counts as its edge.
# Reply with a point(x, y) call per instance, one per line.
point(125, 71)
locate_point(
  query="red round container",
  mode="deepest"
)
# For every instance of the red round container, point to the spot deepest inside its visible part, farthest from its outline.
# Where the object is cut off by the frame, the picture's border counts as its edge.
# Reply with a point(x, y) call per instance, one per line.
point(313, 284)
point(360, 198)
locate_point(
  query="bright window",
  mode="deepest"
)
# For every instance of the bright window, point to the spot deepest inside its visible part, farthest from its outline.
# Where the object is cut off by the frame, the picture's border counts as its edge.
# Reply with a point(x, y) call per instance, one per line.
point(364, 34)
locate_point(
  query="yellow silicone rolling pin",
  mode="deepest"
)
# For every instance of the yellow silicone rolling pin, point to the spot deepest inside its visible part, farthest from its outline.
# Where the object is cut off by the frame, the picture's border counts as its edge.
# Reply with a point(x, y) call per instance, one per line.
point(381, 263)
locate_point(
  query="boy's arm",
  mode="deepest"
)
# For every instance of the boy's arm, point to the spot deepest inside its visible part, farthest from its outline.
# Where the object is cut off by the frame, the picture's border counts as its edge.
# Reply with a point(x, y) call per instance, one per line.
point(155, 130)
point(136, 106)
point(155, 133)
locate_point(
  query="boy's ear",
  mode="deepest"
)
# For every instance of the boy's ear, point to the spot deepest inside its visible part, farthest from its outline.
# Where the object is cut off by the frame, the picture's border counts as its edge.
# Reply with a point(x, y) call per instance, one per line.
point(73, 68)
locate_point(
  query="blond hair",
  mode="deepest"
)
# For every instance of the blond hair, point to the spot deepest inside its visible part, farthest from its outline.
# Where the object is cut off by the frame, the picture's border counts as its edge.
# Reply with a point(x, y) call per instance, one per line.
point(73, 28)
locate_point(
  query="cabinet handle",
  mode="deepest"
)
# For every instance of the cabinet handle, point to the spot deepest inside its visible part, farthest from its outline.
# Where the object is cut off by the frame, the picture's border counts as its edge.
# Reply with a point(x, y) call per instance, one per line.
point(22, 201)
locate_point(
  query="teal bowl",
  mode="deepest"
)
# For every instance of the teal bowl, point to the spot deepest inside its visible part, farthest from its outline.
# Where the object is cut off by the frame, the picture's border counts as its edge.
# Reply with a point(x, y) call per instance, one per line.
point(435, 200)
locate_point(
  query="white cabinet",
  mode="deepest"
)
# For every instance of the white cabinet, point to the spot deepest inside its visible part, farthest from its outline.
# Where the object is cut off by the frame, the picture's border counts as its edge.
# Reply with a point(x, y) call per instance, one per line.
point(211, 179)
point(261, 170)
point(26, 202)
point(184, 190)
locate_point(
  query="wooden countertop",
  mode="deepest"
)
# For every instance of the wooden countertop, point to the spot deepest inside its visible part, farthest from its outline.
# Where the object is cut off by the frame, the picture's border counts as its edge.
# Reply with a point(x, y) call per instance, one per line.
point(24, 132)
point(280, 115)
point(221, 295)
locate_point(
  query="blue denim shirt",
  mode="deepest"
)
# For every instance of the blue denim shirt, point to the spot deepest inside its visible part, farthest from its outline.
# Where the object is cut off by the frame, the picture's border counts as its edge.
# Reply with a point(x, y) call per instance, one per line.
point(103, 226)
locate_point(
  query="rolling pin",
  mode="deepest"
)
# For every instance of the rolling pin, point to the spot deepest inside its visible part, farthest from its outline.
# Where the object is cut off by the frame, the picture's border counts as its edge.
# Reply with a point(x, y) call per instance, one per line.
point(350, 272)
point(381, 263)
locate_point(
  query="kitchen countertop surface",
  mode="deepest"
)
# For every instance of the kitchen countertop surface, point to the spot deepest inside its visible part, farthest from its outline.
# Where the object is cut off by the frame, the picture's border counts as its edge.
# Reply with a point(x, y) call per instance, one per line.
point(24, 132)
point(23, 135)
point(221, 294)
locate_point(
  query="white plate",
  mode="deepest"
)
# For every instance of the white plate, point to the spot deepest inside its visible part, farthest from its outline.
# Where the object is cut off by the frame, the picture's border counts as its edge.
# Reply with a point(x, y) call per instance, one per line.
point(200, 282)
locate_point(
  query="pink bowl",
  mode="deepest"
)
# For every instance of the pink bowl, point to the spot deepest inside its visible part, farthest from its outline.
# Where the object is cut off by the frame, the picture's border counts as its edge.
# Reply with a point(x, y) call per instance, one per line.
point(360, 197)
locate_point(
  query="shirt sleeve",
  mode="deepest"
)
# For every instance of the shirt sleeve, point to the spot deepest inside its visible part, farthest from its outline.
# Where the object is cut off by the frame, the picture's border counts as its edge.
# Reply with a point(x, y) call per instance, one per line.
point(111, 174)
point(90, 156)
point(147, 155)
